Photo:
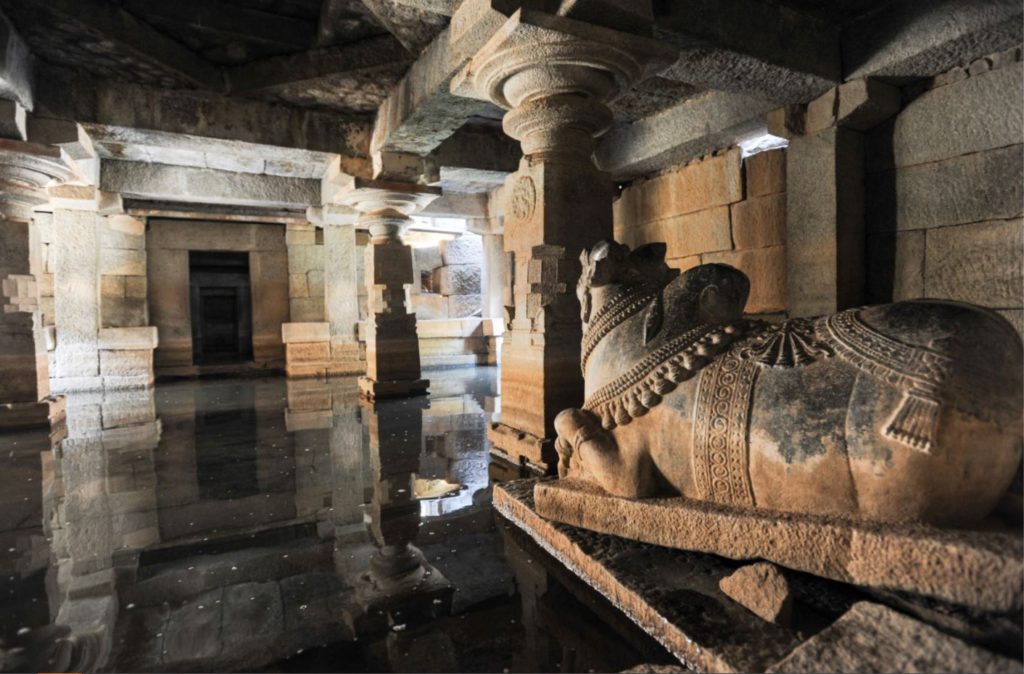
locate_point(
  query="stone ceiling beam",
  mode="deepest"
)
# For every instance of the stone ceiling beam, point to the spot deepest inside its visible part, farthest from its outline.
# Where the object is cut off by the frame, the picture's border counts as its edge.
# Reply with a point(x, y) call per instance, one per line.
point(421, 112)
point(693, 128)
point(413, 26)
point(443, 7)
point(16, 66)
point(236, 21)
point(74, 96)
point(911, 39)
point(361, 57)
point(181, 184)
point(141, 39)
point(750, 47)
point(159, 147)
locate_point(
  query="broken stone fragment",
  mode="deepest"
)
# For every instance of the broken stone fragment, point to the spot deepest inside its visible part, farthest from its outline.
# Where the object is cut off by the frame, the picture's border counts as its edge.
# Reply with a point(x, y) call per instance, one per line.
point(763, 590)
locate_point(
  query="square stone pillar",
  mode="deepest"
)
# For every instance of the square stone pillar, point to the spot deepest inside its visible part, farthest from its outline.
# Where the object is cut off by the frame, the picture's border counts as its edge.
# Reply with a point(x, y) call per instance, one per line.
point(76, 214)
point(392, 345)
point(341, 304)
point(825, 230)
point(554, 76)
point(25, 170)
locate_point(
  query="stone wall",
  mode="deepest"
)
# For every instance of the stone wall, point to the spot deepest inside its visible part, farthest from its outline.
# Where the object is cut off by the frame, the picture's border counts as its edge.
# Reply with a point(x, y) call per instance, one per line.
point(168, 244)
point(944, 191)
point(720, 208)
point(305, 273)
point(123, 272)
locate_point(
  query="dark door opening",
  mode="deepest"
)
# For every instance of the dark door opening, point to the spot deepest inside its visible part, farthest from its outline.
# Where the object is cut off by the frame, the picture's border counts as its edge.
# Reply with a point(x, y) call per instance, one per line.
point(221, 307)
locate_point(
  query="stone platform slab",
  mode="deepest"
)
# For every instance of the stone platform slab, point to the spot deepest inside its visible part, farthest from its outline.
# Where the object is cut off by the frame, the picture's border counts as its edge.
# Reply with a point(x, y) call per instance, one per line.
point(674, 595)
point(978, 569)
point(671, 594)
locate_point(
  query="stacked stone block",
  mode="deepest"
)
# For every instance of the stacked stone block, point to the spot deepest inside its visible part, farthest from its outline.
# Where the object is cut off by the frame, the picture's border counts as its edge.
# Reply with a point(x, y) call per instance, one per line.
point(944, 191)
point(305, 272)
point(458, 277)
point(123, 272)
point(721, 209)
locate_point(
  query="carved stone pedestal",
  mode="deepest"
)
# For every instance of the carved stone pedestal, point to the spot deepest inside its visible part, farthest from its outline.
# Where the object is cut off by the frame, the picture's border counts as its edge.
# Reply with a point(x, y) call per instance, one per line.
point(392, 345)
point(554, 75)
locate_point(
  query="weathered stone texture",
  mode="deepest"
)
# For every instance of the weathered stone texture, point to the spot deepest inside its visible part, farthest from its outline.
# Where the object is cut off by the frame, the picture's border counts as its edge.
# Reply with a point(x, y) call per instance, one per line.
point(825, 222)
point(759, 222)
point(763, 589)
point(872, 637)
point(982, 112)
point(457, 279)
point(766, 269)
point(712, 182)
point(980, 263)
point(970, 188)
point(765, 173)
point(463, 250)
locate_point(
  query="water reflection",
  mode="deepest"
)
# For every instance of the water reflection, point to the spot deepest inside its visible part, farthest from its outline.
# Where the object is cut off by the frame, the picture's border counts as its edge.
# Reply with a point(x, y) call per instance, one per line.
point(263, 523)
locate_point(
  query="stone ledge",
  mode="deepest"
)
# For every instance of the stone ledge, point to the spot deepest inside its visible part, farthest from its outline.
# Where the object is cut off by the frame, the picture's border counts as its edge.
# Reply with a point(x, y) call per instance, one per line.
point(672, 595)
point(297, 333)
point(983, 570)
point(46, 412)
point(128, 339)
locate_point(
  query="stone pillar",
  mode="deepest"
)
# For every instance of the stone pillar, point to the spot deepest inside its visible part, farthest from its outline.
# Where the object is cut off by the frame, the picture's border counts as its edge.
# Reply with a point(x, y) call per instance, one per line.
point(76, 211)
point(341, 304)
point(25, 171)
point(555, 77)
point(392, 345)
point(825, 235)
point(401, 584)
point(494, 276)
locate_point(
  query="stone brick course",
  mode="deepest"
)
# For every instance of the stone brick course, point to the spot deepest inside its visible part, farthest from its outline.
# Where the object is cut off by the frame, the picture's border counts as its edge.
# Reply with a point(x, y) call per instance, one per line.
point(719, 209)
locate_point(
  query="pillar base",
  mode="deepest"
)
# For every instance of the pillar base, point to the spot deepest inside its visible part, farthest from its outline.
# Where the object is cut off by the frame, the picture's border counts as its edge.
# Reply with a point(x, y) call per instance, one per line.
point(522, 448)
point(373, 389)
point(46, 412)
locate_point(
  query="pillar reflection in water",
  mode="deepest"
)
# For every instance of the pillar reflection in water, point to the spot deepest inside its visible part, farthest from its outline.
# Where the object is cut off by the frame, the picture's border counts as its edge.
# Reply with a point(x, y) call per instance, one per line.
point(399, 586)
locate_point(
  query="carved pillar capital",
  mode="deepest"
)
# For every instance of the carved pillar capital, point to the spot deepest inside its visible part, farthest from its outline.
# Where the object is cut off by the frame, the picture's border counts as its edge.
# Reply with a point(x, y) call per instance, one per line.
point(385, 207)
point(556, 76)
point(26, 171)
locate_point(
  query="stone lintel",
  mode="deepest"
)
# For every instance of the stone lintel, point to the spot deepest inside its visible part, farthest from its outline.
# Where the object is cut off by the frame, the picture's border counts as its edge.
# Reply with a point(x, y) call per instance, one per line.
point(690, 129)
point(981, 569)
point(85, 198)
point(160, 182)
point(331, 214)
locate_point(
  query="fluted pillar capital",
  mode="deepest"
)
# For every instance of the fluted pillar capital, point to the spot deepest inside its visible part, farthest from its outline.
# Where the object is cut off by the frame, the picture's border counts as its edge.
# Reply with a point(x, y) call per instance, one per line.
point(26, 171)
point(386, 206)
point(556, 76)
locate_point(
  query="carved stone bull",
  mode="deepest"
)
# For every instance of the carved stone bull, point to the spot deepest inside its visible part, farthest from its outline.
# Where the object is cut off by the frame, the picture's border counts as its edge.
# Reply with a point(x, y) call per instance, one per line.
point(906, 412)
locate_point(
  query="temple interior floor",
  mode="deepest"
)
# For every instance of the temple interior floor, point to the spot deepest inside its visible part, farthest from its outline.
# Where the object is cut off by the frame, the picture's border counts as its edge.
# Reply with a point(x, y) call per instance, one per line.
point(284, 525)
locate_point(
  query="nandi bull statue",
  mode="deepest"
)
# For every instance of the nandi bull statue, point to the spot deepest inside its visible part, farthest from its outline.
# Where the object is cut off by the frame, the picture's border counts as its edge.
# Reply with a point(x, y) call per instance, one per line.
point(906, 412)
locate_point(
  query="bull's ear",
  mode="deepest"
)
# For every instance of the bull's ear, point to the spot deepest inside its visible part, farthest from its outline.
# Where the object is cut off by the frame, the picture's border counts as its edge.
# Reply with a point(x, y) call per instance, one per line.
point(584, 257)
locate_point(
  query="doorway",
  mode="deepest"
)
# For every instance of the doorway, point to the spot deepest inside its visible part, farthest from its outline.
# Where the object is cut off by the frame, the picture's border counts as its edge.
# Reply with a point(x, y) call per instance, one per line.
point(221, 307)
